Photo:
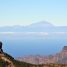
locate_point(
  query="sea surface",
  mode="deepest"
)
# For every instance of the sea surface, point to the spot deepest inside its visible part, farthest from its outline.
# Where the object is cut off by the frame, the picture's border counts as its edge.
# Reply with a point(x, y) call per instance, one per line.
point(20, 44)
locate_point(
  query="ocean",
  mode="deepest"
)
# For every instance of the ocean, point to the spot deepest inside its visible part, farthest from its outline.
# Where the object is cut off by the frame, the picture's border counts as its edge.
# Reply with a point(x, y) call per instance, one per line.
point(27, 43)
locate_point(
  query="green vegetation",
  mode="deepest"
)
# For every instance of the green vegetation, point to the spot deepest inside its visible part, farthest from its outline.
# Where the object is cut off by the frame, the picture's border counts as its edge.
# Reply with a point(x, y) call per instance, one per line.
point(1, 63)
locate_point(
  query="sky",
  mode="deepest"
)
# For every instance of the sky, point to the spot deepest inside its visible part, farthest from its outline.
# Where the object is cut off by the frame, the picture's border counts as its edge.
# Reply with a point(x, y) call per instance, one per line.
point(25, 12)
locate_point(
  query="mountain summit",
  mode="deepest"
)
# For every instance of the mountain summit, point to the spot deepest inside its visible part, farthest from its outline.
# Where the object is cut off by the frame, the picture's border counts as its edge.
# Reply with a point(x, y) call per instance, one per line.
point(42, 24)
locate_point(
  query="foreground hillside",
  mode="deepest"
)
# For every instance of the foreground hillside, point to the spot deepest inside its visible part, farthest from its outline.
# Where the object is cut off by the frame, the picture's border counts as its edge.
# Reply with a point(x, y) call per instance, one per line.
point(23, 64)
point(7, 60)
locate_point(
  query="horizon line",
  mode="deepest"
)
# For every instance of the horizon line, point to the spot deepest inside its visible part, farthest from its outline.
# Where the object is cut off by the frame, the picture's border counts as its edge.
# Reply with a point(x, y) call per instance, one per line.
point(24, 25)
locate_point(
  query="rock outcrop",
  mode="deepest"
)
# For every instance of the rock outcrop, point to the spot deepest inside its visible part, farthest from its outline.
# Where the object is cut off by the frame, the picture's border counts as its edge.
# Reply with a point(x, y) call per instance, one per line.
point(6, 62)
point(60, 58)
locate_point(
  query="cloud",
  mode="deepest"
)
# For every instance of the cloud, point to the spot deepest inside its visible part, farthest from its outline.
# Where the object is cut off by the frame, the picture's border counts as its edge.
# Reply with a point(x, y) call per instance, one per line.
point(36, 33)
point(7, 33)
point(59, 33)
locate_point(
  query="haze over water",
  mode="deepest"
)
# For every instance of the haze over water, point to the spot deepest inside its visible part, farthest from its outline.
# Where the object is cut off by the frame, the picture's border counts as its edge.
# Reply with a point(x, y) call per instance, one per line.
point(23, 44)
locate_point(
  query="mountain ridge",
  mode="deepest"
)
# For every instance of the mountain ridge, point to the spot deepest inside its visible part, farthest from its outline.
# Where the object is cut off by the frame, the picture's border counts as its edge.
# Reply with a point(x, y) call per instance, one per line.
point(42, 26)
point(60, 58)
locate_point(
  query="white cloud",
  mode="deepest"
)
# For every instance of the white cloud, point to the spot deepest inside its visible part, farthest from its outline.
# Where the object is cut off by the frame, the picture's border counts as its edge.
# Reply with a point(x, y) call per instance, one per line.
point(59, 33)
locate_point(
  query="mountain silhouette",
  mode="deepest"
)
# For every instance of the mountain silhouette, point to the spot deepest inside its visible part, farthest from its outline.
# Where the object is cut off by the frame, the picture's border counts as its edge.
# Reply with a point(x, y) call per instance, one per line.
point(42, 26)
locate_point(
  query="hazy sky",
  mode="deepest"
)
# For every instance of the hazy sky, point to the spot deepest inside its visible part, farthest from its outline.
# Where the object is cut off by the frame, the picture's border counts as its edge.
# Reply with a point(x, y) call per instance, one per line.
point(23, 12)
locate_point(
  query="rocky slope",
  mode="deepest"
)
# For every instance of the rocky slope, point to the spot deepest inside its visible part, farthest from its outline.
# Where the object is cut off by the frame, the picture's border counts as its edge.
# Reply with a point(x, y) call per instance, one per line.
point(60, 58)
point(6, 60)
point(11, 62)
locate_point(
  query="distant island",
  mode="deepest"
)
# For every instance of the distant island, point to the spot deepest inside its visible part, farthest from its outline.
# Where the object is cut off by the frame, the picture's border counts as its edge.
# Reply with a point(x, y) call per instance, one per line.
point(42, 26)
